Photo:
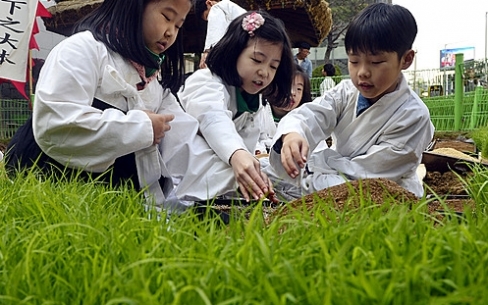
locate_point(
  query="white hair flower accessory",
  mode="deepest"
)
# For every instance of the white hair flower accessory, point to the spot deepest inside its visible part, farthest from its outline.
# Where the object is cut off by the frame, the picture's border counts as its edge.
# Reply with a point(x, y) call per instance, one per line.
point(252, 22)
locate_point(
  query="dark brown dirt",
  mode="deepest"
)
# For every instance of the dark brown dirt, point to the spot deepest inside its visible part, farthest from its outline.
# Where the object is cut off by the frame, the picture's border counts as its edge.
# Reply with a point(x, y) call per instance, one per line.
point(378, 190)
point(447, 185)
point(456, 144)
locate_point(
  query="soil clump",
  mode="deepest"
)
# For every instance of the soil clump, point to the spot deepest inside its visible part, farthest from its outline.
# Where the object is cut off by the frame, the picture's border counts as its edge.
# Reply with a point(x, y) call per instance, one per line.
point(448, 186)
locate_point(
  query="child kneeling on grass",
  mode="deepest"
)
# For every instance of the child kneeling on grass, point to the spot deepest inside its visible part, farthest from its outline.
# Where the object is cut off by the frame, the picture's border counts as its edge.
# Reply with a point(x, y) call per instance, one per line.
point(105, 108)
point(379, 126)
point(253, 57)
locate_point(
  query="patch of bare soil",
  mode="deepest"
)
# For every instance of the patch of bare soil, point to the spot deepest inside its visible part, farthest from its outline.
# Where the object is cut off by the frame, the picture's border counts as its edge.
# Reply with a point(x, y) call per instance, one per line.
point(449, 185)
point(378, 190)
point(382, 191)
point(446, 185)
point(462, 146)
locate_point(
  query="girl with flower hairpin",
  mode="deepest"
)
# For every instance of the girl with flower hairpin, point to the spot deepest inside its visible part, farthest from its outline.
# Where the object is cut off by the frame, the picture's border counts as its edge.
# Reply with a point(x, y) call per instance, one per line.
point(253, 57)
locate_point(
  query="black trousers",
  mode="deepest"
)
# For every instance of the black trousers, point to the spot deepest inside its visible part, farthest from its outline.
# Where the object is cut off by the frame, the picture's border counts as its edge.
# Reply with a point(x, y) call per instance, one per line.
point(24, 153)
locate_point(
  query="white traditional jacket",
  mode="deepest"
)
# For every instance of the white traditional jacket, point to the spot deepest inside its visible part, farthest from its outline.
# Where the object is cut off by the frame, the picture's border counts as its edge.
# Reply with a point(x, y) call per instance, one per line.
point(385, 141)
point(71, 131)
point(219, 17)
point(214, 105)
point(327, 84)
point(268, 131)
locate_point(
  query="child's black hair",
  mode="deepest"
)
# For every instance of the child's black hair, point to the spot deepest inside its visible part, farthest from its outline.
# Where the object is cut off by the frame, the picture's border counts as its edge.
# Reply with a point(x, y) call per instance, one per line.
point(306, 95)
point(199, 6)
point(222, 58)
point(381, 27)
point(329, 69)
point(118, 24)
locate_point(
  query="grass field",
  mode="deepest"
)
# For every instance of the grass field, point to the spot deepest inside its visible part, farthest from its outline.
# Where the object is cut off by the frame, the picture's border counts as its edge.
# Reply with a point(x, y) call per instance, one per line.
point(84, 243)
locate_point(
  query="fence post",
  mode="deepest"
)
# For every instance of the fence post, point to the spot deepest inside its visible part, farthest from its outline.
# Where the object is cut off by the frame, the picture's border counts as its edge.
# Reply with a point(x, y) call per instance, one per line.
point(458, 92)
point(474, 112)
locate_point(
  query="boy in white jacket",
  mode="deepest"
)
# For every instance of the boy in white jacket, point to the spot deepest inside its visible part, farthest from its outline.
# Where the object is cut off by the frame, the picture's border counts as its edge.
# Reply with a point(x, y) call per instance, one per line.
point(379, 126)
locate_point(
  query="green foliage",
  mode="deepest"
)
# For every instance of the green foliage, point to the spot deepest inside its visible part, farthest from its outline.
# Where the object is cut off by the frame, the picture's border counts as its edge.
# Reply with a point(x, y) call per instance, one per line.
point(342, 13)
point(477, 187)
point(317, 72)
point(85, 243)
point(338, 71)
point(480, 138)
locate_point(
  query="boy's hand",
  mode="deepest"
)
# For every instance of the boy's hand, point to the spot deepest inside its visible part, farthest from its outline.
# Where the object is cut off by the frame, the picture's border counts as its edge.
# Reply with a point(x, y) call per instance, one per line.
point(248, 175)
point(160, 124)
point(294, 152)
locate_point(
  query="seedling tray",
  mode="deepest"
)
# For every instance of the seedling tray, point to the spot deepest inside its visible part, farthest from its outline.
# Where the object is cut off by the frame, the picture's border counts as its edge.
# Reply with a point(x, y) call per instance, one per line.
point(227, 208)
point(442, 163)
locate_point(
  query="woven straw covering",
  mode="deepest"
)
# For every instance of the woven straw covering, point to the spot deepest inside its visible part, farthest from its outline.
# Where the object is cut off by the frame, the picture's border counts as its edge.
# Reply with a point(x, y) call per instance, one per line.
point(66, 13)
point(305, 20)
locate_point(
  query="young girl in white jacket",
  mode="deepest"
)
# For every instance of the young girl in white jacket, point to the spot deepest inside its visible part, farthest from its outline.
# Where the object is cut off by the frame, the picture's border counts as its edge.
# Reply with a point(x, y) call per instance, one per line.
point(104, 106)
point(300, 94)
point(253, 56)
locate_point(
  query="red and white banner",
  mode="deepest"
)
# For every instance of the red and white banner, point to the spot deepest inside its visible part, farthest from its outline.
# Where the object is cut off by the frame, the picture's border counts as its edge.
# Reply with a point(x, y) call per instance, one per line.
point(17, 27)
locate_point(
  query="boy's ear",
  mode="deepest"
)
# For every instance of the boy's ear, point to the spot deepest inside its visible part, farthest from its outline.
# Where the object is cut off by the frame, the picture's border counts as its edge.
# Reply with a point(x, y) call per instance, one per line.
point(407, 59)
point(209, 3)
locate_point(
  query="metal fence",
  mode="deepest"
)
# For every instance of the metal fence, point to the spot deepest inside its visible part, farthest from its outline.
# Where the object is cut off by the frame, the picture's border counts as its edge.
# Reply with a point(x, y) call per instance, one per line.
point(316, 81)
point(474, 111)
point(13, 114)
point(421, 81)
point(474, 102)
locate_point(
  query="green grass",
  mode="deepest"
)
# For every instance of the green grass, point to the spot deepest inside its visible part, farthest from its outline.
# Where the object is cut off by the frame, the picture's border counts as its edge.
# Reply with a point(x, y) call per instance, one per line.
point(84, 243)
point(480, 138)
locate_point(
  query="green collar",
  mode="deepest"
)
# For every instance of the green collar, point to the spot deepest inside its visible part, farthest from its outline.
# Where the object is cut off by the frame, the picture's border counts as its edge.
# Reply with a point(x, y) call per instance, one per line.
point(158, 58)
point(276, 119)
point(277, 116)
point(246, 102)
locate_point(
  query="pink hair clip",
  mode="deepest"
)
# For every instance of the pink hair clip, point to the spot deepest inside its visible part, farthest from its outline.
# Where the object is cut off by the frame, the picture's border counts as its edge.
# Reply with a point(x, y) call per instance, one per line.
point(252, 22)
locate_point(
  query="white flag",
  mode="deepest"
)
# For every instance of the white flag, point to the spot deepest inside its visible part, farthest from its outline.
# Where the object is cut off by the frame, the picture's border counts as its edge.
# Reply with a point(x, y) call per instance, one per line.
point(16, 21)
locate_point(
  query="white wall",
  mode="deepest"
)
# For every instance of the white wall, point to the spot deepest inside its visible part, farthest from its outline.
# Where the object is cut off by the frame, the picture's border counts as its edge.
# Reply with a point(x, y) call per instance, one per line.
point(46, 40)
point(317, 55)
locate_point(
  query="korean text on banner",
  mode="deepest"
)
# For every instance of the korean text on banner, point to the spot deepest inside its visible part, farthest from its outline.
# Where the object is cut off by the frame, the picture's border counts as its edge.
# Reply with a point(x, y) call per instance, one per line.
point(16, 21)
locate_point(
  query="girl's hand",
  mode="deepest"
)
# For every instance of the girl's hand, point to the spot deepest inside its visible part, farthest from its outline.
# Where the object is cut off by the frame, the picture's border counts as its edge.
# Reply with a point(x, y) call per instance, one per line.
point(160, 124)
point(294, 152)
point(248, 175)
point(202, 64)
point(271, 195)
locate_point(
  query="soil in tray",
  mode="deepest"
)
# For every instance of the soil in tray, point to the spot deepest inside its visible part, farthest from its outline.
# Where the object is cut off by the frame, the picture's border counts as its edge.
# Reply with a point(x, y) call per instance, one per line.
point(443, 184)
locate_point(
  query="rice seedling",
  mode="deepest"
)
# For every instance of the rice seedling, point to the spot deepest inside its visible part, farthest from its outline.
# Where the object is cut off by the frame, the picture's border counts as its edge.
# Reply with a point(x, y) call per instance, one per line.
point(480, 138)
point(85, 243)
